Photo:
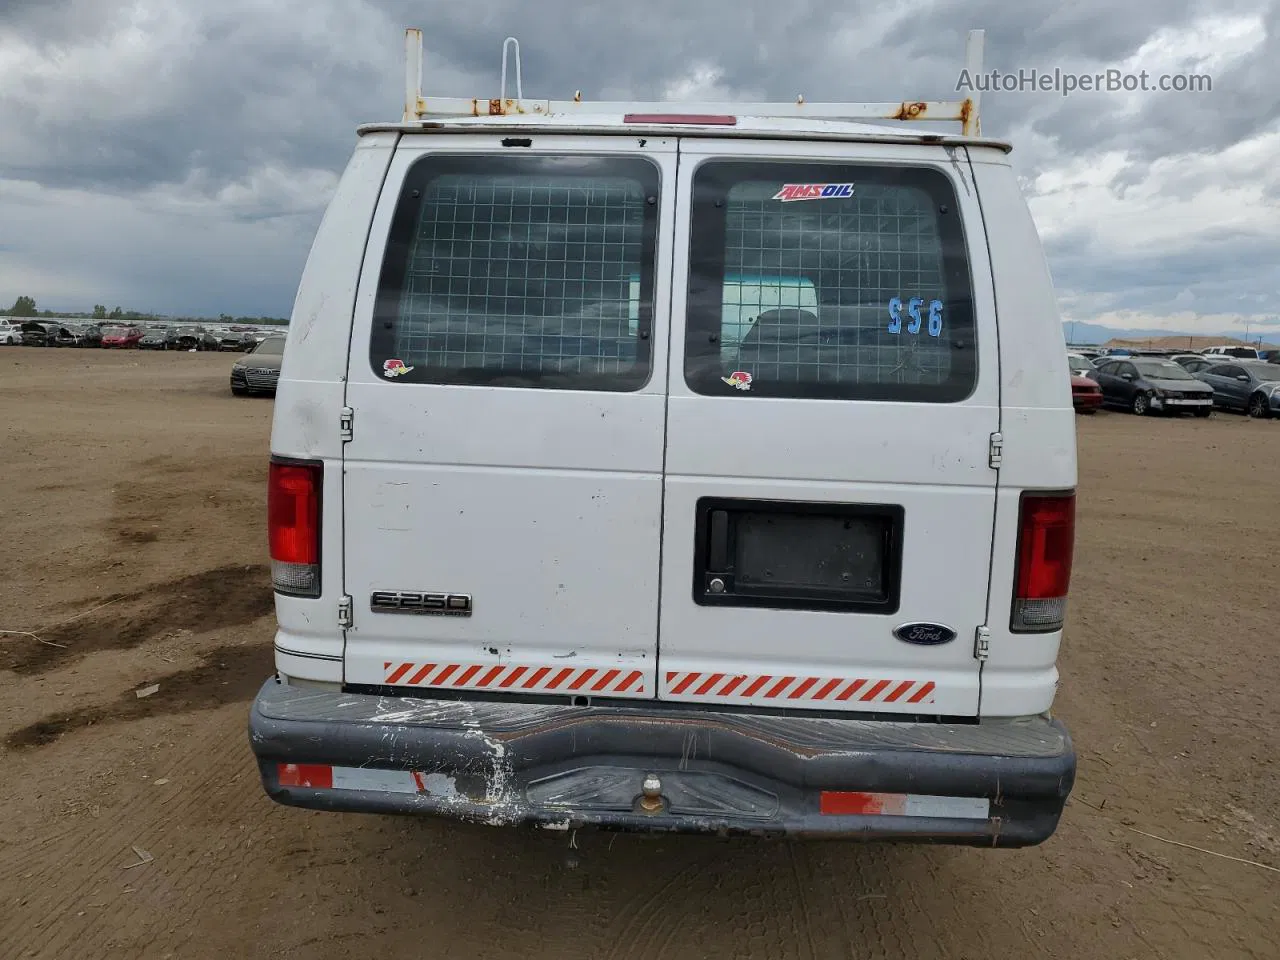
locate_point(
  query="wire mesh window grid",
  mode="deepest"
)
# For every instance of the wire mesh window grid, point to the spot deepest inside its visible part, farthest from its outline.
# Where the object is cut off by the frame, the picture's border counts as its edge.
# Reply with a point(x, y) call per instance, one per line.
point(526, 275)
point(812, 287)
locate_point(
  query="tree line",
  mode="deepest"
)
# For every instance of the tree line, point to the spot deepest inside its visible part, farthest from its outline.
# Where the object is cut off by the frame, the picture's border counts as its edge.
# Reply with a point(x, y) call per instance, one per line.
point(26, 307)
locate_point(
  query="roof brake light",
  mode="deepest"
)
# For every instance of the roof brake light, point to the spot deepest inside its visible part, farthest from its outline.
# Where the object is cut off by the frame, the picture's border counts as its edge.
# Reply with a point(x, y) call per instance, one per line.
point(694, 119)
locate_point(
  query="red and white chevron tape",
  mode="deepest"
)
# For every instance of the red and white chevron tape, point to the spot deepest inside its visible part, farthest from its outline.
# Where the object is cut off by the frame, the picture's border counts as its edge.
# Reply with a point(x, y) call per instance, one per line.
point(746, 687)
point(478, 676)
point(677, 685)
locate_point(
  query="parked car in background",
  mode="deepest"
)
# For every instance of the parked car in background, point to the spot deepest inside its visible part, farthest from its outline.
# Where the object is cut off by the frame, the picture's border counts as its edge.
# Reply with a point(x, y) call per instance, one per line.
point(193, 337)
point(1249, 386)
point(38, 333)
point(1148, 385)
point(10, 333)
point(1230, 350)
point(235, 340)
point(121, 337)
point(258, 370)
point(77, 335)
point(1194, 362)
point(1086, 395)
point(155, 338)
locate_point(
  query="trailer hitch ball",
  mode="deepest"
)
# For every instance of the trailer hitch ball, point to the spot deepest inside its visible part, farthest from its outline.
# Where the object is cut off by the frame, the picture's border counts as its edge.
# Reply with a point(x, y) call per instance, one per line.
point(651, 794)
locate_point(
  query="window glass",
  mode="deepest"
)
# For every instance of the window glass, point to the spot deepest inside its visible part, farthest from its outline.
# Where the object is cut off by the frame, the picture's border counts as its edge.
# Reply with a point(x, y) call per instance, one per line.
point(270, 347)
point(828, 280)
point(520, 271)
point(1162, 370)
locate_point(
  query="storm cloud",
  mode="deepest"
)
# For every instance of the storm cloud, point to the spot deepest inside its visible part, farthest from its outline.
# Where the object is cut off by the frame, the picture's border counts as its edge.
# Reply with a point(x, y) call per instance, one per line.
point(176, 156)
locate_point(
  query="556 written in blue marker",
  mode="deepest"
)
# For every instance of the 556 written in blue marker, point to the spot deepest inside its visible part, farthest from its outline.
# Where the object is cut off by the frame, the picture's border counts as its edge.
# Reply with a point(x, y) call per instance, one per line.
point(914, 320)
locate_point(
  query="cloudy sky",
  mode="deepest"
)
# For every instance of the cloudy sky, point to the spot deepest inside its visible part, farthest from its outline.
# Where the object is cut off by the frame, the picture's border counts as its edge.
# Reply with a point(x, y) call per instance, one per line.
point(176, 155)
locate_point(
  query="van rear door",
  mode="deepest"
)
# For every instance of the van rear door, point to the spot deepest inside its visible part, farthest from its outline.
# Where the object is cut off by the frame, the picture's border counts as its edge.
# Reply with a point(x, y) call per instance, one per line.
point(829, 487)
point(507, 379)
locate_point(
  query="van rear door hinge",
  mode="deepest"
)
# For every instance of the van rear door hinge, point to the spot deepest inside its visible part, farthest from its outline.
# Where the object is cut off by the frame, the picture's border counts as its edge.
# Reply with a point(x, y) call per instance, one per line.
point(346, 423)
point(995, 451)
point(982, 643)
point(344, 612)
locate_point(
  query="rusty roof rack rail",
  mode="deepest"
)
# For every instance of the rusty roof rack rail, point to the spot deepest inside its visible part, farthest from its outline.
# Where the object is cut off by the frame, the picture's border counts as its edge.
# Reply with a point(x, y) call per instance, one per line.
point(417, 107)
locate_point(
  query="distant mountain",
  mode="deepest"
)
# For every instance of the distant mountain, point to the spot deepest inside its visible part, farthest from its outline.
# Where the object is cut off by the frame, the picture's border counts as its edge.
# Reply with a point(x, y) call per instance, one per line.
point(1096, 333)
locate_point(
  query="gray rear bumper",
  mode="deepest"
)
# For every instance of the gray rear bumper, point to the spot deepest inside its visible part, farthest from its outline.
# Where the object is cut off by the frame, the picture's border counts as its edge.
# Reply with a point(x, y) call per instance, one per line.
point(561, 766)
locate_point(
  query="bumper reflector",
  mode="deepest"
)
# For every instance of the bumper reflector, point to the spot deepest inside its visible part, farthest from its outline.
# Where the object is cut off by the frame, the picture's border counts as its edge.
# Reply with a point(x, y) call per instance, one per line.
point(323, 777)
point(835, 803)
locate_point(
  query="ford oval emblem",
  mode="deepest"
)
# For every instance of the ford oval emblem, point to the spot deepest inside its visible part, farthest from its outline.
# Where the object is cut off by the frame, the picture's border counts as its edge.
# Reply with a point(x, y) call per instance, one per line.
point(926, 634)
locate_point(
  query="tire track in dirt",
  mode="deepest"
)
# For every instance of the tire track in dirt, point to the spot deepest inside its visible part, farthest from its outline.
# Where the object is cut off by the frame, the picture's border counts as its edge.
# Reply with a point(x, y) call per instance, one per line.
point(226, 674)
point(228, 596)
point(649, 914)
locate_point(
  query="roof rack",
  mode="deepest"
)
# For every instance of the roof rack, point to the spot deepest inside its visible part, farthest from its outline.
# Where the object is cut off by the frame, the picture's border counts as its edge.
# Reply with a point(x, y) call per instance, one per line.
point(417, 107)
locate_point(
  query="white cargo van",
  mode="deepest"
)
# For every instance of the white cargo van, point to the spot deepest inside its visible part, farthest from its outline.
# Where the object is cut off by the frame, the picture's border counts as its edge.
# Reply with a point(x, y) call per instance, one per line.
point(555, 542)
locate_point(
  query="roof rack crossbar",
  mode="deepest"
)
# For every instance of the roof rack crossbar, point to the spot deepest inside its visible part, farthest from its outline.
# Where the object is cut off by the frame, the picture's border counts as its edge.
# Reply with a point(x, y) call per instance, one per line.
point(417, 107)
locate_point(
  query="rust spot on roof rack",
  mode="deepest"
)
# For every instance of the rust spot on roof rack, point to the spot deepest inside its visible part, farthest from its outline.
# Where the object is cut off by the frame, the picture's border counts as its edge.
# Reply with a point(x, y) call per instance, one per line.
point(911, 111)
point(497, 107)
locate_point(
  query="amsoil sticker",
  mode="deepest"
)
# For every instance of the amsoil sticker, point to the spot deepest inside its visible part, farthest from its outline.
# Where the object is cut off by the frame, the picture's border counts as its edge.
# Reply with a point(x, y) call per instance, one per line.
point(394, 368)
point(814, 191)
point(739, 378)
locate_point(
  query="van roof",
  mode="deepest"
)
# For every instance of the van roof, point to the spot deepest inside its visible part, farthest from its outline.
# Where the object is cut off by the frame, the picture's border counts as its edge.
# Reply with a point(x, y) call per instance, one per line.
point(794, 120)
point(672, 122)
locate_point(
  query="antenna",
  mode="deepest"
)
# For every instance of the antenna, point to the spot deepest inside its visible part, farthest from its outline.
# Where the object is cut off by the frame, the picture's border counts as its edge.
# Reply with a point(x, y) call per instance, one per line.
point(511, 41)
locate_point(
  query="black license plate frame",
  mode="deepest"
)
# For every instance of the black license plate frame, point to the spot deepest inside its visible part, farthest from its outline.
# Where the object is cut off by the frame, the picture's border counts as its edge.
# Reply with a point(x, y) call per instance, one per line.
point(732, 533)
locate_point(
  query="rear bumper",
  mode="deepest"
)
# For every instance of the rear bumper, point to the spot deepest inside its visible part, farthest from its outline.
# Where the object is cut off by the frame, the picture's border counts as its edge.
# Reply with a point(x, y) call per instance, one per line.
point(999, 783)
point(1182, 404)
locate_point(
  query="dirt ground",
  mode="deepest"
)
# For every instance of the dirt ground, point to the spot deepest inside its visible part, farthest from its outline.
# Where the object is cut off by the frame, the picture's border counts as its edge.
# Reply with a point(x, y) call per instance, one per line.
point(131, 519)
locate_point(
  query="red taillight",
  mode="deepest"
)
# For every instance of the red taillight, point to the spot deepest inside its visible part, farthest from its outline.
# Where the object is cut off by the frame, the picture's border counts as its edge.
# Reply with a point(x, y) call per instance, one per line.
point(1046, 542)
point(293, 524)
point(697, 119)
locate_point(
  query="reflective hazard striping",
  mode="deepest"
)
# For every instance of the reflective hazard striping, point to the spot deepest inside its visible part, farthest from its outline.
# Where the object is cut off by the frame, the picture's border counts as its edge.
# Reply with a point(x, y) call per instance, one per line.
point(614, 681)
point(857, 803)
point(787, 688)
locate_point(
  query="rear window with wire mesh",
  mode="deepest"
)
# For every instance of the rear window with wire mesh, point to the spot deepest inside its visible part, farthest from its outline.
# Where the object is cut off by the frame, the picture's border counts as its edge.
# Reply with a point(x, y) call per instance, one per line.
point(828, 281)
point(529, 271)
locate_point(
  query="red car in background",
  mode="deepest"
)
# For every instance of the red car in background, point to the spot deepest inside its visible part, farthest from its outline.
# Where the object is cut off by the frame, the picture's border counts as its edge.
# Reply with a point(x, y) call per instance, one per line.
point(121, 337)
point(1086, 395)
